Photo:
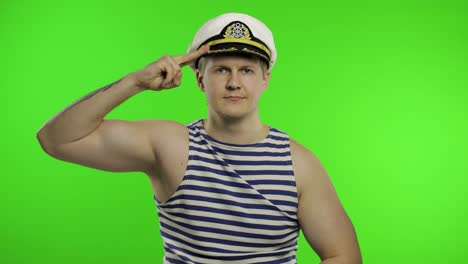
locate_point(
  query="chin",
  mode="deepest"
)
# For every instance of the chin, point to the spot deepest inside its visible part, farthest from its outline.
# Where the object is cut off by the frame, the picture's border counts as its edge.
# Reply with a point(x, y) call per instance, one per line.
point(232, 116)
point(232, 112)
point(235, 114)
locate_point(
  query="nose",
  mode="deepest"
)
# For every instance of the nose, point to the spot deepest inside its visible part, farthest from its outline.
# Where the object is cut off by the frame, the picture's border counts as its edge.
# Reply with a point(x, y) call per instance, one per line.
point(233, 82)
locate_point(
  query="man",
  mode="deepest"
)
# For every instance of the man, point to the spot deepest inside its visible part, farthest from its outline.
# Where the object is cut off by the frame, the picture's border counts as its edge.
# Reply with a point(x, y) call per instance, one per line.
point(229, 188)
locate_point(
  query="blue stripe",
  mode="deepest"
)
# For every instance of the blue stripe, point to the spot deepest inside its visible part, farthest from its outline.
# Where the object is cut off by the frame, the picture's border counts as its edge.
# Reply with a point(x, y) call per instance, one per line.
point(207, 160)
point(286, 203)
point(259, 162)
point(202, 150)
point(168, 249)
point(174, 261)
point(271, 145)
point(216, 171)
point(194, 134)
point(272, 182)
point(279, 138)
point(265, 172)
point(279, 192)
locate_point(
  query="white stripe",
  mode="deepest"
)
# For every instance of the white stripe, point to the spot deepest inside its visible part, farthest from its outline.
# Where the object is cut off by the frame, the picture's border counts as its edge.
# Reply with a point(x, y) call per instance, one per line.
point(240, 158)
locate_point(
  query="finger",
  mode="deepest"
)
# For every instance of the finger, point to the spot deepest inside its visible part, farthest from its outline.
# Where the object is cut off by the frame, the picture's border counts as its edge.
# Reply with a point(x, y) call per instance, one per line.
point(188, 58)
point(168, 75)
point(177, 78)
point(169, 71)
point(175, 82)
point(155, 83)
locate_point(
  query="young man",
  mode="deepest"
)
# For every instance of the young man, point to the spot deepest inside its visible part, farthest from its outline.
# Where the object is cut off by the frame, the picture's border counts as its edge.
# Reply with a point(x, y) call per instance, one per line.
point(229, 188)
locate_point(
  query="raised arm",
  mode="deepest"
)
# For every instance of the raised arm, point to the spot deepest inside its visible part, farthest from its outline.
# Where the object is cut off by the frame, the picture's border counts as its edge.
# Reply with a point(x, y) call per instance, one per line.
point(324, 222)
point(79, 133)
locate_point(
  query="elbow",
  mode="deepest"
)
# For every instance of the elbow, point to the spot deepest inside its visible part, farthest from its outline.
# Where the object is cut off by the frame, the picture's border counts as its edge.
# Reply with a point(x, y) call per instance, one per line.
point(354, 259)
point(344, 258)
point(45, 144)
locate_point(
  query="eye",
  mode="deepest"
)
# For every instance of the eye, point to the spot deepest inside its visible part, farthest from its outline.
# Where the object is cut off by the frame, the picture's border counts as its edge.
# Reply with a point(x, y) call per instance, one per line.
point(220, 69)
point(247, 71)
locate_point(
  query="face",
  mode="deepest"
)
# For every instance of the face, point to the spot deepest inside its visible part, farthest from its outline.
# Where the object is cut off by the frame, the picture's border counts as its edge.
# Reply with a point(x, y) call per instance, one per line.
point(233, 85)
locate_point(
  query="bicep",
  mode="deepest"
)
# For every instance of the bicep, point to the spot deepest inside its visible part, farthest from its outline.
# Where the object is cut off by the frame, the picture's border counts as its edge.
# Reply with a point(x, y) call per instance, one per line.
point(324, 222)
point(321, 215)
point(114, 146)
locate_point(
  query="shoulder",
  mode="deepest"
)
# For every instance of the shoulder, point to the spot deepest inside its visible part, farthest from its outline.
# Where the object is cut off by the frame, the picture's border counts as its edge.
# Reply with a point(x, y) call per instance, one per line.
point(160, 135)
point(169, 142)
point(301, 155)
point(307, 167)
point(157, 128)
point(159, 123)
point(164, 131)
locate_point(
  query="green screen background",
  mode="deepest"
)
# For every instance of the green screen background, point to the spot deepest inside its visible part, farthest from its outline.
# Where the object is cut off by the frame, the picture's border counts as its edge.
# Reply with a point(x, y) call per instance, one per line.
point(377, 90)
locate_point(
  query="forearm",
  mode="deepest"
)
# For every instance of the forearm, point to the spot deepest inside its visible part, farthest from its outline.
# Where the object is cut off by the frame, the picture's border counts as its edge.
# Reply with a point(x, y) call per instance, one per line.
point(84, 116)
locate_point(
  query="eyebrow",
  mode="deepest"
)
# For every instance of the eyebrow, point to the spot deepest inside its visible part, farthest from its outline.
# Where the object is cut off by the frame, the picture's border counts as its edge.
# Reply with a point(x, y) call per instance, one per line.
point(247, 65)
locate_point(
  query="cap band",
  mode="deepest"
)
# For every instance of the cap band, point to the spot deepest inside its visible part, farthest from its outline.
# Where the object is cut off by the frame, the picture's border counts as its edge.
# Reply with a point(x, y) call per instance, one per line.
point(243, 41)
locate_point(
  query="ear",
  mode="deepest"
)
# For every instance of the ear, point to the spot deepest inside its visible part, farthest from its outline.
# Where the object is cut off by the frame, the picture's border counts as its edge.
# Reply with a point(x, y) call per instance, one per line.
point(200, 81)
point(266, 80)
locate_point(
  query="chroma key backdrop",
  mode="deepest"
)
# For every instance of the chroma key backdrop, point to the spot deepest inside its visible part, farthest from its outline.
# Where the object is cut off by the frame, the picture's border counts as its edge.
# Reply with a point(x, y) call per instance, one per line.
point(378, 90)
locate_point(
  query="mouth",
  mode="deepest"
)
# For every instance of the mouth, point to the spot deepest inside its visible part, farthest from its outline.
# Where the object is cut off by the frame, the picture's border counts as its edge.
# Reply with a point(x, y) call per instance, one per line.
point(234, 98)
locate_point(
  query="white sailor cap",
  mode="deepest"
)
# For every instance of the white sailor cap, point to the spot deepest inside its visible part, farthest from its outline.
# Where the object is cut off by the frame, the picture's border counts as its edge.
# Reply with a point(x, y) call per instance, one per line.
point(235, 33)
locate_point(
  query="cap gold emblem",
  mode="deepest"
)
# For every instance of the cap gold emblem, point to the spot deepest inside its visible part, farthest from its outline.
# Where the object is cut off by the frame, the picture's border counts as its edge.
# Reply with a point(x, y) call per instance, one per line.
point(237, 30)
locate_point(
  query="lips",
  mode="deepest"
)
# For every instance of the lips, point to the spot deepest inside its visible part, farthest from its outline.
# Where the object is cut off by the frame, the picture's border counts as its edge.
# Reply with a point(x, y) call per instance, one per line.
point(234, 98)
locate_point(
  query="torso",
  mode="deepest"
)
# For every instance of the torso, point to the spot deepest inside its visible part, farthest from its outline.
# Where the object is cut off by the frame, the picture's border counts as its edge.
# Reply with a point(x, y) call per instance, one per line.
point(235, 199)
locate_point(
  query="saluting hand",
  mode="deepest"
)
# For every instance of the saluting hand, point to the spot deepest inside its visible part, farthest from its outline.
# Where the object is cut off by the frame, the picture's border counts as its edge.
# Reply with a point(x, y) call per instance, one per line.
point(165, 73)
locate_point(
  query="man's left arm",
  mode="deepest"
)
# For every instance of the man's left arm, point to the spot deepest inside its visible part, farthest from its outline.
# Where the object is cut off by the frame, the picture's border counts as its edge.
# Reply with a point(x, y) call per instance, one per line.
point(323, 220)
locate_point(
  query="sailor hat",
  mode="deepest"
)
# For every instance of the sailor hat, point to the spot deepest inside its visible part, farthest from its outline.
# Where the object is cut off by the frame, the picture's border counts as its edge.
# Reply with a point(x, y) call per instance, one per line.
point(238, 34)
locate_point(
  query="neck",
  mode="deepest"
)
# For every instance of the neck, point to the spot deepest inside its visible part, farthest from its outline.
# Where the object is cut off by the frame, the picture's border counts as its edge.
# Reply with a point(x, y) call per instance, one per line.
point(236, 131)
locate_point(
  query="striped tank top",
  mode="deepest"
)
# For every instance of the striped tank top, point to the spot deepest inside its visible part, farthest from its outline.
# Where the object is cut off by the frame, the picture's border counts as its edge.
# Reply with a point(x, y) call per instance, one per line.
point(235, 204)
